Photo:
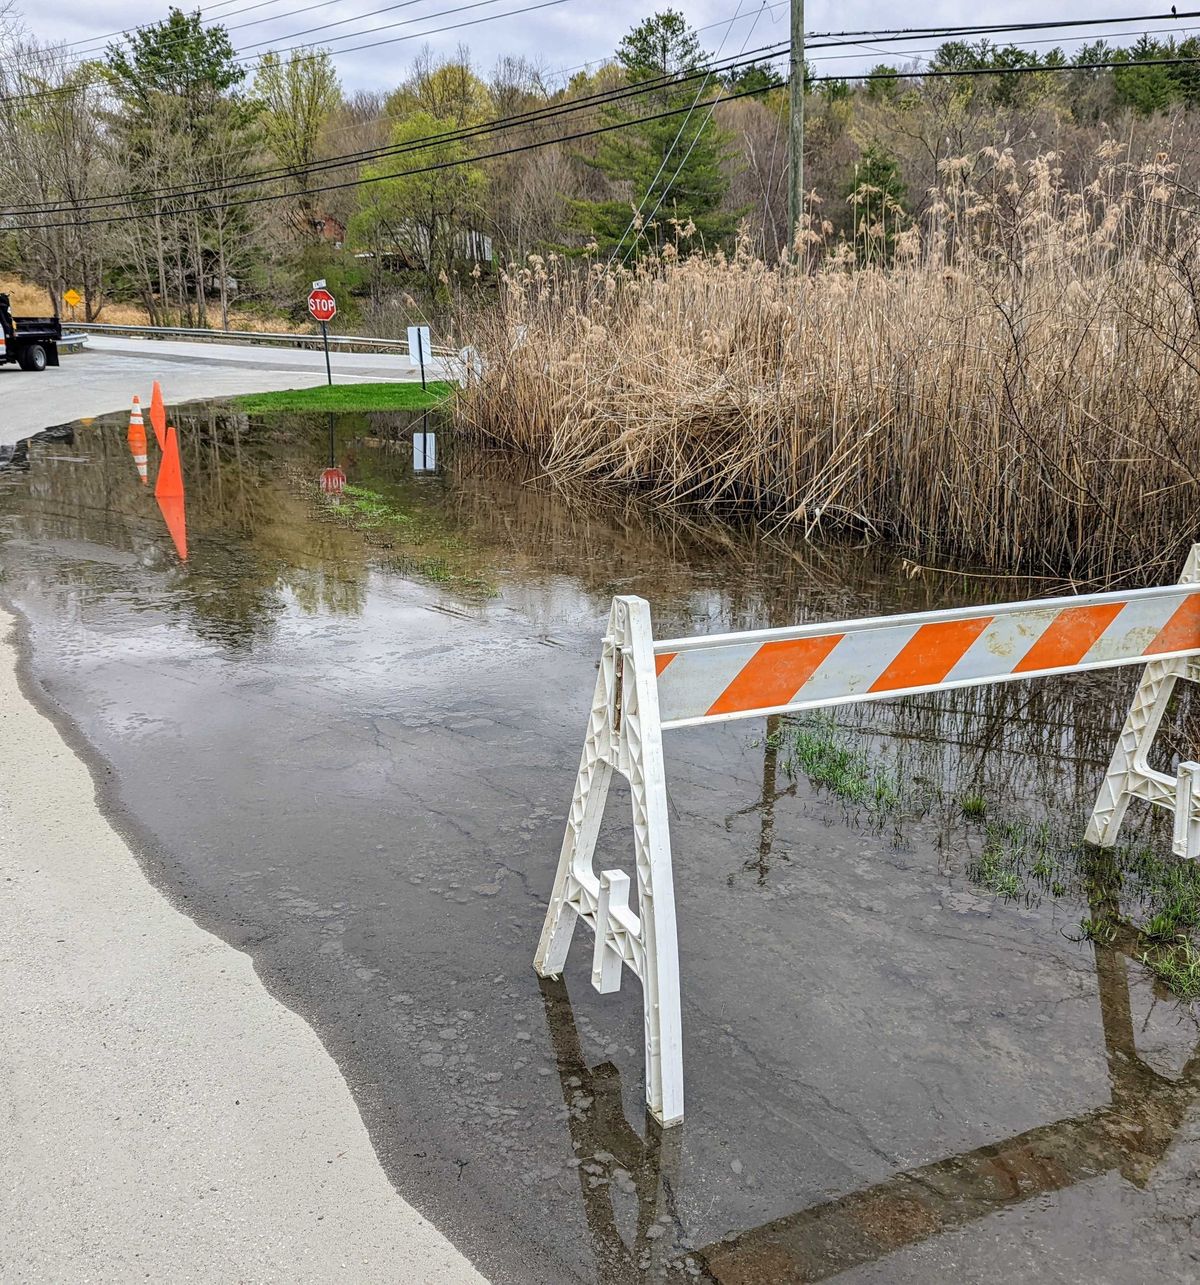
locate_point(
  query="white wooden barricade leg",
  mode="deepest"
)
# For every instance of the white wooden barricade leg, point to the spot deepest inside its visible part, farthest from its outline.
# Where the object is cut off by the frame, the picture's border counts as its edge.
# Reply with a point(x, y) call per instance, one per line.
point(1130, 776)
point(624, 735)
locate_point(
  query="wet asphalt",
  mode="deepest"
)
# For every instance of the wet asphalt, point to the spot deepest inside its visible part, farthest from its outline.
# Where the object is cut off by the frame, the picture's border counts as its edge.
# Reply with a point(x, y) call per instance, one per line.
point(347, 745)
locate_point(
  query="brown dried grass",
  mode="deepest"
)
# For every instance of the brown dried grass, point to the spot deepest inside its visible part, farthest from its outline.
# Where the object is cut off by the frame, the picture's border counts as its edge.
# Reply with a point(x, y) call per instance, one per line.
point(32, 301)
point(1018, 389)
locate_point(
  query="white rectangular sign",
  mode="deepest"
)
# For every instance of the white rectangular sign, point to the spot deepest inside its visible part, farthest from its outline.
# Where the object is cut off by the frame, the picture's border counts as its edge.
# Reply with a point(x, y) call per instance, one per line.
point(419, 351)
point(424, 452)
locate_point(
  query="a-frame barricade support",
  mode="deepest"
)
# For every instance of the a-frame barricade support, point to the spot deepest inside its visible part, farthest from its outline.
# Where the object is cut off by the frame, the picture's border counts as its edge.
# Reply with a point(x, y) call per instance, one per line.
point(646, 686)
point(1130, 776)
point(624, 735)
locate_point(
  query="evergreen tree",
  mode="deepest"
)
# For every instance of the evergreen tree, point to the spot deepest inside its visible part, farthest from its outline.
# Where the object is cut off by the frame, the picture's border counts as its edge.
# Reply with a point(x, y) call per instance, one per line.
point(674, 163)
point(876, 198)
point(181, 123)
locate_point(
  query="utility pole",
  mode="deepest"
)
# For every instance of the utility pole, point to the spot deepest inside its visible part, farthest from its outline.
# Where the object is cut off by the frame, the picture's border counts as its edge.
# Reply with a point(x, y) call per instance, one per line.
point(796, 112)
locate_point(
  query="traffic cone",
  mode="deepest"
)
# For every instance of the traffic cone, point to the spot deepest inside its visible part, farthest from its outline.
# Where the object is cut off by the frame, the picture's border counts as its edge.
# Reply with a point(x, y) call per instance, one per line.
point(174, 515)
point(137, 440)
point(169, 485)
point(158, 416)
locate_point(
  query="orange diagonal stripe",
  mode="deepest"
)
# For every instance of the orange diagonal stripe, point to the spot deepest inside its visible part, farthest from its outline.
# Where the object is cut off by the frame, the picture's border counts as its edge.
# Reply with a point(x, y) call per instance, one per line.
point(930, 654)
point(661, 662)
point(1068, 637)
point(774, 674)
point(1182, 631)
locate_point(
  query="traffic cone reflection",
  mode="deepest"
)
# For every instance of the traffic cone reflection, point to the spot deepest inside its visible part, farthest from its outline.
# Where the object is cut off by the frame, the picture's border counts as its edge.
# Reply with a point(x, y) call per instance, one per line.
point(137, 440)
point(168, 491)
point(175, 516)
point(158, 416)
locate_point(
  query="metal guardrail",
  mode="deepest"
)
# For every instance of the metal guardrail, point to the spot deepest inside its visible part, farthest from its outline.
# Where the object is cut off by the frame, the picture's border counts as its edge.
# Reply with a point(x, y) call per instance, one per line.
point(299, 340)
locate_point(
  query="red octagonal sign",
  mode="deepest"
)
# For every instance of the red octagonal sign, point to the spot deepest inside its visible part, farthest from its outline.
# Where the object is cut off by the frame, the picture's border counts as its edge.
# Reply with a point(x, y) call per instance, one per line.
point(333, 481)
point(322, 304)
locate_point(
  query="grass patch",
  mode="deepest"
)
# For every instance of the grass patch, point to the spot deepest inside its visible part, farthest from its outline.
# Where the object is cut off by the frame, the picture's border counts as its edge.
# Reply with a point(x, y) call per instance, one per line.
point(974, 806)
point(1177, 966)
point(831, 761)
point(347, 397)
point(1145, 899)
point(1017, 857)
point(418, 546)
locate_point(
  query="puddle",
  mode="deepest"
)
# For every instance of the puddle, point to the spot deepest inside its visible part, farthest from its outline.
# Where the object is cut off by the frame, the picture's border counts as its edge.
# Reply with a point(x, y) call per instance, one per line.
point(347, 727)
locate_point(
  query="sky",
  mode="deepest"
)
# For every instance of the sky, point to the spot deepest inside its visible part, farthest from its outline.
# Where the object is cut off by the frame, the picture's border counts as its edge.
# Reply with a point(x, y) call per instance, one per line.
point(564, 35)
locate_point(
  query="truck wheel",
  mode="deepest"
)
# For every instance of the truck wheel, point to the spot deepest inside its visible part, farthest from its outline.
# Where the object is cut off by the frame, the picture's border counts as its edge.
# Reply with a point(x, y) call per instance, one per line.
point(33, 358)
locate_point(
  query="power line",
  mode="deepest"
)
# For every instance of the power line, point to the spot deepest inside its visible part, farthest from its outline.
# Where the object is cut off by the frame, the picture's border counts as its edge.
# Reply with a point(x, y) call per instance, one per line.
point(883, 35)
point(94, 45)
point(581, 134)
point(416, 35)
point(878, 35)
point(383, 178)
point(350, 35)
point(533, 116)
point(977, 29)
point(98, 42)
point(1019, 44)
point(637, 214)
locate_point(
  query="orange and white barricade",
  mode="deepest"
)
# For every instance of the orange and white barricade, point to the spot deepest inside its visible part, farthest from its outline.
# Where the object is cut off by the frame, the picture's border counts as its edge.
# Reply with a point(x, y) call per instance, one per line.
point(646, 687)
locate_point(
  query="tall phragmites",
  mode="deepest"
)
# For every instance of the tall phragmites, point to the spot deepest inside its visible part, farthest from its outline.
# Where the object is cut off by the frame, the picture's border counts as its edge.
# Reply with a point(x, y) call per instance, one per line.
point(796, 118)
point(1006, 380)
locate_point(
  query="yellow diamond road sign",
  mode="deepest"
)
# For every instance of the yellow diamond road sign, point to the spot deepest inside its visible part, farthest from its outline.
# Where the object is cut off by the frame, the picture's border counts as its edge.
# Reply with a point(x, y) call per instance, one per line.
point(73, 298)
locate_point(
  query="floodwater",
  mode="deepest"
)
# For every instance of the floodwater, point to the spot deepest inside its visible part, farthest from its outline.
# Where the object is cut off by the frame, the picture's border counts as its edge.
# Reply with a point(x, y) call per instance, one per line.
point(344, 733)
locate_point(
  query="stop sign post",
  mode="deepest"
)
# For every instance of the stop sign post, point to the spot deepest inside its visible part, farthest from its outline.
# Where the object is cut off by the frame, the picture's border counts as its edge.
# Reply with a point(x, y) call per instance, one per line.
point(322, 306)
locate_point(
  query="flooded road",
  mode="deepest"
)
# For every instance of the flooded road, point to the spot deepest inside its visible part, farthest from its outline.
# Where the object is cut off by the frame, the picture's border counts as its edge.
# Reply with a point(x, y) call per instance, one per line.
point(343, 732)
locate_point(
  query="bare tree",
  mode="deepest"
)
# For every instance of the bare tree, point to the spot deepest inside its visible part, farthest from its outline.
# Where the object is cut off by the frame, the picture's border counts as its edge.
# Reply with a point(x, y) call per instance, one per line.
point(52, 166)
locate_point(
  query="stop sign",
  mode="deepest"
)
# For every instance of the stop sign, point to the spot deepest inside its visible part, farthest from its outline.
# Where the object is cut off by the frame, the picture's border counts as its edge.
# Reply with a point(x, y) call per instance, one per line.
point(333, 481)
point(322, 304)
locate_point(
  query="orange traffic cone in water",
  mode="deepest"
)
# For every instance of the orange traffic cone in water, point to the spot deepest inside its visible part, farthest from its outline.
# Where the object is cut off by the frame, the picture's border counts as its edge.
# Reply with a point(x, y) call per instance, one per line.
point(137, 440)
point(158, 416)
point(168, 491)
point(170, 471)
point(175, 517)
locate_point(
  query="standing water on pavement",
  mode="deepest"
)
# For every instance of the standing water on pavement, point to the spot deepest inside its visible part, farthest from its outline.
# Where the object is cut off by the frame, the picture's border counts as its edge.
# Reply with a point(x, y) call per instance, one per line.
point(343, 730)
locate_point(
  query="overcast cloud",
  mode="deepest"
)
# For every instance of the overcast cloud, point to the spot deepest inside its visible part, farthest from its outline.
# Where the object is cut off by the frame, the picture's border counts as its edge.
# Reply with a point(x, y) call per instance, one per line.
point(558, 38)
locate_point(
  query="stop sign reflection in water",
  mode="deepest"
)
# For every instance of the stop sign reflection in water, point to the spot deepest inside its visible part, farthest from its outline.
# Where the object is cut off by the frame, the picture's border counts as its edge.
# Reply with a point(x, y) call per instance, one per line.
point(333, 481)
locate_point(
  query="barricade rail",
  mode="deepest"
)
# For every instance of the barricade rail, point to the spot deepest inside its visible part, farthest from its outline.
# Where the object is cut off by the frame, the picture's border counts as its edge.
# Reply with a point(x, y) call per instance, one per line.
point(646, 686)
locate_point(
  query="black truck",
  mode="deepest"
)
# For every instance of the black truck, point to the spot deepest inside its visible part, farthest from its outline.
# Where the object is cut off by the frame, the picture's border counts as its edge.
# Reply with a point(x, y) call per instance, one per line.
point(31, 342)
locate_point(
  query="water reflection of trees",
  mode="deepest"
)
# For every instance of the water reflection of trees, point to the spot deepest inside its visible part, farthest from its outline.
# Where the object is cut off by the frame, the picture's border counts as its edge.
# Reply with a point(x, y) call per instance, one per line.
point(257, 540)
point(250, 501)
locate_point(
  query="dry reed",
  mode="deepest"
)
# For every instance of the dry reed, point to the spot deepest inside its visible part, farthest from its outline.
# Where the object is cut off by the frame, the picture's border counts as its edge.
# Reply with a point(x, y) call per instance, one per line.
point(1018, 388)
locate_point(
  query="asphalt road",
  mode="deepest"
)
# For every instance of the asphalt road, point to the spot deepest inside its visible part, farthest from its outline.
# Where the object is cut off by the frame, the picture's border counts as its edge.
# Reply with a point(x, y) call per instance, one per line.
point(105, 376)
